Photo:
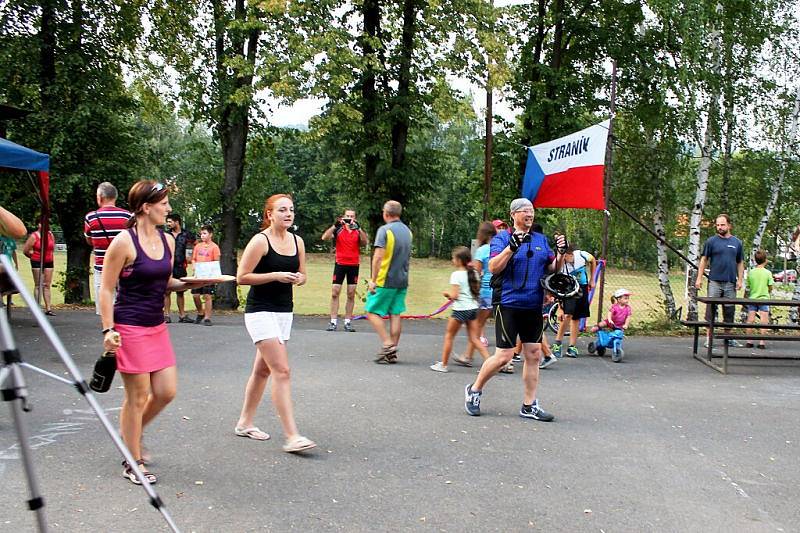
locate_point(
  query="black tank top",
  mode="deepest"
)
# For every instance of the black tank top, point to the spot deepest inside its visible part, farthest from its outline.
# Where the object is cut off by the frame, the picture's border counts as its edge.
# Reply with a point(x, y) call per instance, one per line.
point(275, 297)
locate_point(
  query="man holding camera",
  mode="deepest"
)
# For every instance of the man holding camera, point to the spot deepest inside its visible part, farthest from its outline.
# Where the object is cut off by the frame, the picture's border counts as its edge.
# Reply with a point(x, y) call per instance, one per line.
point(520, 258)
point(348, 238)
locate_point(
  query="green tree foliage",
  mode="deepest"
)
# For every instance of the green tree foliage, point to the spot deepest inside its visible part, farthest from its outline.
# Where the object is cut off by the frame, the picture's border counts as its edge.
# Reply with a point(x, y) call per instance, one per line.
point(386, 84)
point(561, 54)
point(257, 46)
point(704, 92)
point(63, 61)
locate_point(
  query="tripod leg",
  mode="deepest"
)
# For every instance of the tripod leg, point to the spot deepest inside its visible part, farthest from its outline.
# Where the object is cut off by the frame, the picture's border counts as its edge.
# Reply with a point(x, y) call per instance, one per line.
point(78, 382)
point(15, 393)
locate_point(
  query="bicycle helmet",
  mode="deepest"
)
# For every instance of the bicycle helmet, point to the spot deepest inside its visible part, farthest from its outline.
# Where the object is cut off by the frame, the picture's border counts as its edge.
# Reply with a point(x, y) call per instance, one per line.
point(561, 285)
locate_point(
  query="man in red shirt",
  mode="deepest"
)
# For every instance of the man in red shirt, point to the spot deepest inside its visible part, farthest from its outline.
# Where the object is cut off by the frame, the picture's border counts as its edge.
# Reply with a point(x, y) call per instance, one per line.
point(100, 227)
point(348, 238)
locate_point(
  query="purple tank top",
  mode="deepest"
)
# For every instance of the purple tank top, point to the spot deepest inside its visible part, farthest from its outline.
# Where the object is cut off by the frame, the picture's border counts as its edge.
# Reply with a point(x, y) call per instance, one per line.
point(142, 285)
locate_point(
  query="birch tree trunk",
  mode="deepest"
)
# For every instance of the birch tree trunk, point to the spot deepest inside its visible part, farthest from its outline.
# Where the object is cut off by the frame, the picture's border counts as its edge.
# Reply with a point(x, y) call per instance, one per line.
point(663, 260)
point(433, 237)
point(699, 203)
point(777, 184)
point(706, 149)
point(791, 147)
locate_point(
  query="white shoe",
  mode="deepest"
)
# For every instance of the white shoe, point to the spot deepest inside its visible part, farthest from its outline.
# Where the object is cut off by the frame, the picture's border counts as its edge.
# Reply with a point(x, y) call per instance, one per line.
point(485, 342)
point(439, 367)
point(547, 361)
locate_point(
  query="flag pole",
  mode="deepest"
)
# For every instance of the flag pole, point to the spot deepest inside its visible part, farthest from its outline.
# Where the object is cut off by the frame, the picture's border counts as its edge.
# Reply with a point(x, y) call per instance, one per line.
point(487, 155)
point(607, 191)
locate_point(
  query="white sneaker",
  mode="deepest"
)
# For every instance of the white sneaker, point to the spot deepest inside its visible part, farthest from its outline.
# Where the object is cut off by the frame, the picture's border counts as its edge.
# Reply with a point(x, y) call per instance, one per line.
point(439, 367)
point(547, 361)
point(508, 369)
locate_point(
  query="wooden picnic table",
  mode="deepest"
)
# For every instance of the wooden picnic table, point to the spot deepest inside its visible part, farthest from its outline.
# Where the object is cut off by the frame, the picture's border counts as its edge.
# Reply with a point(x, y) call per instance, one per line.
point(727, 335)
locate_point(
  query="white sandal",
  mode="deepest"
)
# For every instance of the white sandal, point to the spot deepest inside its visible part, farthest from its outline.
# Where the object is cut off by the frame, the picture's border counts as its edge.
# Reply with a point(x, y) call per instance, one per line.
point(251, 433)
point(298, 444)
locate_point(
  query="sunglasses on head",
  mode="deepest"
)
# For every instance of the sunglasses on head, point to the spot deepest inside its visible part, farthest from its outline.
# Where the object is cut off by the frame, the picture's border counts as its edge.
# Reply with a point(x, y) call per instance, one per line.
point(157, 188)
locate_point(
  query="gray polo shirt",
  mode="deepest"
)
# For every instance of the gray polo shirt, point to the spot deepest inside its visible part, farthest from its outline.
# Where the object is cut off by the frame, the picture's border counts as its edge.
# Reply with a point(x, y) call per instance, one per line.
point(395, 239)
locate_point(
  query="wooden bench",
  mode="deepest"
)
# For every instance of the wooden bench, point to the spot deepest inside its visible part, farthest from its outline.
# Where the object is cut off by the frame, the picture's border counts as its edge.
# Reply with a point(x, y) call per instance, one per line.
point(696, 324)
point(726, 335)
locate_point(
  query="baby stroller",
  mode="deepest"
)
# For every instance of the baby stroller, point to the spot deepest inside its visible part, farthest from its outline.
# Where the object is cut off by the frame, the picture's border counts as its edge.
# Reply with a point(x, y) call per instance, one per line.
point(608, 339)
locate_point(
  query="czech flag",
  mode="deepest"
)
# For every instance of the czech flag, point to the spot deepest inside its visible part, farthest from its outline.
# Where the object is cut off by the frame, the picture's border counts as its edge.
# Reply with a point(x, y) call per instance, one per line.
point(568, 172)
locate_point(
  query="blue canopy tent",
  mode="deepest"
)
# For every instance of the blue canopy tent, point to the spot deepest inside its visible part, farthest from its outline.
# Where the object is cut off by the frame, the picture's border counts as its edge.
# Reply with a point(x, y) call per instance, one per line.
point(13, 155)
point(18, 157)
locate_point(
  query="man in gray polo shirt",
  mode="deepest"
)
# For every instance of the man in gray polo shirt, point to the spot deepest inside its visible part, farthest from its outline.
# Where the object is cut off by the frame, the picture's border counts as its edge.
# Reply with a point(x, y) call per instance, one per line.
point(389, 280)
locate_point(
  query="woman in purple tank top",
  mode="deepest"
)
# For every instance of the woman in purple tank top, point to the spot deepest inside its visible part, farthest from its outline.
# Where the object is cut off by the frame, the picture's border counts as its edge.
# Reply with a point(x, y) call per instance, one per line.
point(139, 262)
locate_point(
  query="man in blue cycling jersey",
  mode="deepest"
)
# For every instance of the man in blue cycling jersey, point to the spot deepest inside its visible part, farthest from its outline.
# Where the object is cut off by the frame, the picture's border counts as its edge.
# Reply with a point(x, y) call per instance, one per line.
point(519, 260)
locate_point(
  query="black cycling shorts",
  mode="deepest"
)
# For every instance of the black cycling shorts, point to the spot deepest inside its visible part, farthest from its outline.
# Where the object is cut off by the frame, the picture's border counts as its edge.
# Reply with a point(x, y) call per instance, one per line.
point(342, 272)
point(578, 307)
point(510, 323)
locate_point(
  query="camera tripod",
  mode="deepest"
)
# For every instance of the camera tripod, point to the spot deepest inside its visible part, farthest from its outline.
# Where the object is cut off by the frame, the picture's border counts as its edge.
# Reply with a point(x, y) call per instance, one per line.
point(15, 392)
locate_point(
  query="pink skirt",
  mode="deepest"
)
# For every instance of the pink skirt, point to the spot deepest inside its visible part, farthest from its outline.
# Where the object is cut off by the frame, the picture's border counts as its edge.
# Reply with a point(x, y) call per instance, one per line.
point(144, 349)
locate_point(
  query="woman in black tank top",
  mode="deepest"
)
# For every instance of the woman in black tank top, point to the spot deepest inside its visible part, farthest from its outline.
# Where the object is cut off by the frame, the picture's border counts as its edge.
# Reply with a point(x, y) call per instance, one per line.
point(272, 264)
point(274, 296)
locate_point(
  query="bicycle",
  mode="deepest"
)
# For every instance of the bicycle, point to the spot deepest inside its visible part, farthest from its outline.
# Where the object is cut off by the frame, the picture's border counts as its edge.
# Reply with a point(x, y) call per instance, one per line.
point(550, 315)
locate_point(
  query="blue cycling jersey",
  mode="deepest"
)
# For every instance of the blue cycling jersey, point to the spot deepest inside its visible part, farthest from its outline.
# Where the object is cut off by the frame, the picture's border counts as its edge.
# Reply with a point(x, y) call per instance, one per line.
point(521, 287)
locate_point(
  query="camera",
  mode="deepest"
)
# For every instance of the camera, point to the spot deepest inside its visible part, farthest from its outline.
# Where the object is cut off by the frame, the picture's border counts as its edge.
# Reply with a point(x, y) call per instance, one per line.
point(347, 220)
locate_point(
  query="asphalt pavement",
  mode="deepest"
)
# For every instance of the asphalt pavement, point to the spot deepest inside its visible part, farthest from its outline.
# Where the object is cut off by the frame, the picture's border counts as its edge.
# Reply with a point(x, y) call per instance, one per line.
point(659, 442)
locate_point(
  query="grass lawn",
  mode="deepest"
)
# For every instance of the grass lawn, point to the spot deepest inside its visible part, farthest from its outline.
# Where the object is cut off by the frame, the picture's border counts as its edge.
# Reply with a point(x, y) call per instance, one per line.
point(428, 278)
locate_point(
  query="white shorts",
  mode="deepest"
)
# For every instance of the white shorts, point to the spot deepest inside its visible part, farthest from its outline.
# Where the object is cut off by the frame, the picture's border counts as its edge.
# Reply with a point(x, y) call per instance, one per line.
point(267, 325)
point(96, 275)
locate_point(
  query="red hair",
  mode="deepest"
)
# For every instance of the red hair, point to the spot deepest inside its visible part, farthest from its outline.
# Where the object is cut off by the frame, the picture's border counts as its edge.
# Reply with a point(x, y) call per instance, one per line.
point(269, 205)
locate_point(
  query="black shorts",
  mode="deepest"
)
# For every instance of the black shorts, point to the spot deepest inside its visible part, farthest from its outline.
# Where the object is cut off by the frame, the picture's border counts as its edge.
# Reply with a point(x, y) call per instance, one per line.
point(578, 307)
point(179, 272)
point(510, 323)
point(342, 272)
point(465, 315)
point(38, 264)
point(208, 289)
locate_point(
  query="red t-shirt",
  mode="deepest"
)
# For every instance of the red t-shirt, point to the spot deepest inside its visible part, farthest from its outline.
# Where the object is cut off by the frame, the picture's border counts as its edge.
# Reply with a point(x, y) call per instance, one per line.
point(348, 243)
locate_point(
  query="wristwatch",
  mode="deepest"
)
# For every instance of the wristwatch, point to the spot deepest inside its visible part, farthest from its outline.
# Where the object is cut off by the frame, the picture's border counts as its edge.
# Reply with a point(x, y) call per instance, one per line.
point(107, 330)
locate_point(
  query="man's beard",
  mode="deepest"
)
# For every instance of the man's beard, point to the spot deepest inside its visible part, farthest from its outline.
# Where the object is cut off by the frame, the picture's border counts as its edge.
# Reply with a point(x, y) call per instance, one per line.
point(722, 233)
